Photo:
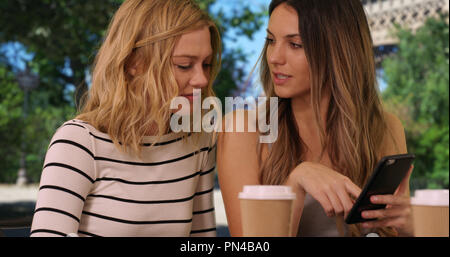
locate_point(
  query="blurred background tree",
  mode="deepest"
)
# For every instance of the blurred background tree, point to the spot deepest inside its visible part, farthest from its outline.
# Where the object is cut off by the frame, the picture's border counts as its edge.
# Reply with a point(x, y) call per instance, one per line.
point(60, 39)
point(418, 93)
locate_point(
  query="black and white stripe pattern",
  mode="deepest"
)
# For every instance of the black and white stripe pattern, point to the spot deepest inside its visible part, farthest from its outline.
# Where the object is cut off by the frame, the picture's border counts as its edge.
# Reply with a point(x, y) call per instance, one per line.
point(90, 187)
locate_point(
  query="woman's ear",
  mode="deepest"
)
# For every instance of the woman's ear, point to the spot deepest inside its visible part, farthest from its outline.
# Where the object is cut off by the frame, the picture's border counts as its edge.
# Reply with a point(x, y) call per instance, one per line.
point(132, 66)
point(132, 70)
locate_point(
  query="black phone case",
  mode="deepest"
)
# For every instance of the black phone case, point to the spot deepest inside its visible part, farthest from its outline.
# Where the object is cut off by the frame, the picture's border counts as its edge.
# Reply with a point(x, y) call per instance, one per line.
point(385, 179)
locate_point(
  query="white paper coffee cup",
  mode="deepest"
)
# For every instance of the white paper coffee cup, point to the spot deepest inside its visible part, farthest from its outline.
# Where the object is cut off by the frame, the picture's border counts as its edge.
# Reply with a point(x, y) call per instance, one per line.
point(430, 210)
point(266, 210)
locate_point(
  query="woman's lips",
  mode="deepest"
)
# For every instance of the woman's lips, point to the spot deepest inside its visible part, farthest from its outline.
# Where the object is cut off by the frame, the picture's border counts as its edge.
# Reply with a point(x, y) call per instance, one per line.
point(280, 78)
point(191, 97)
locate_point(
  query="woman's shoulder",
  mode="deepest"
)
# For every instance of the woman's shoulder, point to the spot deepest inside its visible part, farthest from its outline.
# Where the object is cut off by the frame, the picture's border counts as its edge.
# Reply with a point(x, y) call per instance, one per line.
point(394, 140)
point(239, 135)
point(76, 131)
point(392, 121)
point(394, 125)
point(240, 120)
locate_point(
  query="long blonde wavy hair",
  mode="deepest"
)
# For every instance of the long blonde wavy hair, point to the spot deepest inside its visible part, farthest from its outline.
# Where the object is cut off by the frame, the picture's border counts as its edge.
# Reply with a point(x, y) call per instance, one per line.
point(143, 33)
point(338, 46)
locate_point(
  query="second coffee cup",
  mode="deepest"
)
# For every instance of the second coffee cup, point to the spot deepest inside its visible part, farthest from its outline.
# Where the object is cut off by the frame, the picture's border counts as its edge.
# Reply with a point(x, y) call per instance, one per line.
point(266, 210)
point(430, 213)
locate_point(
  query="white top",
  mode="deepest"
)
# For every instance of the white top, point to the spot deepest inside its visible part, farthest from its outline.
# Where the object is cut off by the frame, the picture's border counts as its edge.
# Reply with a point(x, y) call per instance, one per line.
point(90, 188)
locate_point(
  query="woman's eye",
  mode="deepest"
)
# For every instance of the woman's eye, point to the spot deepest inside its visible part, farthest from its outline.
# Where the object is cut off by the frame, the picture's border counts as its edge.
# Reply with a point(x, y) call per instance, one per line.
point(296, 46)
point(184, 67)
point(269, 40)
point(207, 65)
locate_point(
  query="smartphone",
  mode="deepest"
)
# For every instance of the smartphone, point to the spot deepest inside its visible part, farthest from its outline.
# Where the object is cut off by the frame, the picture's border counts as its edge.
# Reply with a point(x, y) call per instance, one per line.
point(385, 179)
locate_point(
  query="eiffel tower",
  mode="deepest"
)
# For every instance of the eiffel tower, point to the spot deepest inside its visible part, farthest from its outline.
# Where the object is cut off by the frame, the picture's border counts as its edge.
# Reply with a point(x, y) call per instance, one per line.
point(411, 14)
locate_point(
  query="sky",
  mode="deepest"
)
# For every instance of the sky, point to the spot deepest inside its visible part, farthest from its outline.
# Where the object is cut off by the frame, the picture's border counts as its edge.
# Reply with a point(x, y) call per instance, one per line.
point(252, 47)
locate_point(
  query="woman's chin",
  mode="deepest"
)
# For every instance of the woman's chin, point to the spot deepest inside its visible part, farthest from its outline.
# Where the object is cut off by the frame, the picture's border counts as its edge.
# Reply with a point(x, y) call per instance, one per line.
point(284, 92)
point(289, 92)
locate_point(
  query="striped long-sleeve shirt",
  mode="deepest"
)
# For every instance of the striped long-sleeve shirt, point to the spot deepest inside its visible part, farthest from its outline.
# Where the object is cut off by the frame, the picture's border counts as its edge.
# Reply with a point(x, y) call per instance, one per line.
point(91, 188)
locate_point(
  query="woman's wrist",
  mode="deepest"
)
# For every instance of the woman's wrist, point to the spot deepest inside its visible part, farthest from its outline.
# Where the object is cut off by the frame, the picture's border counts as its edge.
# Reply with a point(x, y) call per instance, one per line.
point(295, 177)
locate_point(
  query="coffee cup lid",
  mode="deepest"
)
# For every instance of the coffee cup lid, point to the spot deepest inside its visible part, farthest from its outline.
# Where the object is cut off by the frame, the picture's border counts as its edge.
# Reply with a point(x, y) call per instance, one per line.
point(267, 192)
point(430, 197)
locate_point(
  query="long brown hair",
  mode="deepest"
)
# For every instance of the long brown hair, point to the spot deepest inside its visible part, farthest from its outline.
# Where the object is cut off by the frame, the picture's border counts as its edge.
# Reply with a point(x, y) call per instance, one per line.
point(338, 46)
point(142, 32)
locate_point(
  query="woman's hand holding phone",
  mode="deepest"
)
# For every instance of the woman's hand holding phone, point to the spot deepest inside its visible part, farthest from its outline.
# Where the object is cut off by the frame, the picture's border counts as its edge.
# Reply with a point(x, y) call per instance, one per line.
point(397, 213)
point(334, 192)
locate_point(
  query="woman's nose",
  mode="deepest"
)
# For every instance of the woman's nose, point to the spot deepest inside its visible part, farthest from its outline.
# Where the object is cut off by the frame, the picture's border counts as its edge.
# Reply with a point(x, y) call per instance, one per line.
point(276, 55)
point(200, 78)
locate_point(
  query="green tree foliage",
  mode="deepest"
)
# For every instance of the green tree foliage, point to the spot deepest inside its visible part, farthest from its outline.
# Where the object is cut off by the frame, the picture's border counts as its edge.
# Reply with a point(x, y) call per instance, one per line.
point(63, 36)
point(35, 130)
point(418, 92)
point(11, 98)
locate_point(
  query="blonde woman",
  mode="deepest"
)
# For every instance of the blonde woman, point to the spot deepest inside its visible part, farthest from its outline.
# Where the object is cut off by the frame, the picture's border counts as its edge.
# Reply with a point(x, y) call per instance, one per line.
point(117, 169)
point(318, 60)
